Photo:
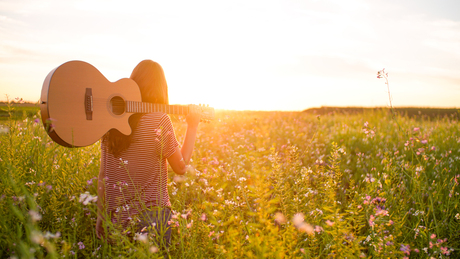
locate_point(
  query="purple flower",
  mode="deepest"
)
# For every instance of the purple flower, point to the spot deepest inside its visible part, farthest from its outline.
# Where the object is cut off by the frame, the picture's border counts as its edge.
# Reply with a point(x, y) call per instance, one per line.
point(405, 249)
point(81, 245)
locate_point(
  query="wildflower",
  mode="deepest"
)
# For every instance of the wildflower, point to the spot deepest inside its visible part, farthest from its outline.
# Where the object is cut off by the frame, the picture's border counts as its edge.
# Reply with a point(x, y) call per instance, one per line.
point(433, 236)
point(178, 178)
point(318, 229)
point(405, 249)
point(424, 141)
point(457, 216)
point(81, 245)
point(36, 237)
point(307, 228)
point(298, 219)
point(203, 217)
point(371, 220)
point(86, 198)
point(381, 212)
point(49, 235)
point(280, 218)
point(444, 250)
point(330, 223)
point(416, 129)
point(302, 250)
point(153, 249)
point(141, 237)
point(35, 216)
point(382, 74)
point(189, 225)
point(30, 183)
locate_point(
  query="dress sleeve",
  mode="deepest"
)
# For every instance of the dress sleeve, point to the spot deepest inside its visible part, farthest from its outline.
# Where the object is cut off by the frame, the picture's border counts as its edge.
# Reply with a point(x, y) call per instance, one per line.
point(165, 138)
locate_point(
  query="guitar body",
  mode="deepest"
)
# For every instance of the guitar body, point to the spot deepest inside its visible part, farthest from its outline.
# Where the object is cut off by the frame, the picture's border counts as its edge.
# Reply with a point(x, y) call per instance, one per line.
point(77, 104)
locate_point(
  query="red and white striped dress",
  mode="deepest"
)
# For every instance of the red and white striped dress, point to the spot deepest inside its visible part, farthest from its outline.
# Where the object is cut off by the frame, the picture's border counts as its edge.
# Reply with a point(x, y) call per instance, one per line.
point(138, 177)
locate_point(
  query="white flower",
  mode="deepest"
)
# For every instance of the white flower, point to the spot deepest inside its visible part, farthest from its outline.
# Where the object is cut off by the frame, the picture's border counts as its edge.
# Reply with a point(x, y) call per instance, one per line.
point(298, 219)
point(35, 216)
point(36, 237)
point(141, 237)
point(86, 198)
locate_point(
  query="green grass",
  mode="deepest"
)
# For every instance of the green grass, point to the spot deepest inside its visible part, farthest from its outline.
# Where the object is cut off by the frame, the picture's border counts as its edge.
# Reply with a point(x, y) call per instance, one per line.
point(17, 111)
point(359, 185)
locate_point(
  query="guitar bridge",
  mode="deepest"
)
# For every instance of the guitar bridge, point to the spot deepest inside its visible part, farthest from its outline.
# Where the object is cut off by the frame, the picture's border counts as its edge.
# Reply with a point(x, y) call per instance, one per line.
point(89, 104)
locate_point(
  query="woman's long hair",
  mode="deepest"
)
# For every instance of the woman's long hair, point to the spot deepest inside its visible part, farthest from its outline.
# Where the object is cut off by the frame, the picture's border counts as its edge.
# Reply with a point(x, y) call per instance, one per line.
point(151, 80)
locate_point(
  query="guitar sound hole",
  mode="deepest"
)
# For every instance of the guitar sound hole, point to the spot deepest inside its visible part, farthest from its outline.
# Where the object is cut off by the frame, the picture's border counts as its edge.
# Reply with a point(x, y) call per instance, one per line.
point(118, 105)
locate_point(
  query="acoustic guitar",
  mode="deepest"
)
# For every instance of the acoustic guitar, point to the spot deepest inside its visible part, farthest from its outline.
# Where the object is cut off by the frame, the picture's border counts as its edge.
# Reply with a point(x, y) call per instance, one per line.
point(79, 105)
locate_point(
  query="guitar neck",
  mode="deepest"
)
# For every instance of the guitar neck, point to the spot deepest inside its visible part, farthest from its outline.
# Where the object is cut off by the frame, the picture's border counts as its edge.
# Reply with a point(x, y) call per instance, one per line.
point(142, 107)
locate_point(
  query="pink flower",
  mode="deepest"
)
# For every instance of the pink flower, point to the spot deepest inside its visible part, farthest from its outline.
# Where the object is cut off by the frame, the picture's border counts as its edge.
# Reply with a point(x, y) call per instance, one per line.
point(318, 229)
point(433, 236)
point(424, 141)
point(81, 245)
point(444, 250)
point(189, 225)
point(382, 74)
point(371, 220)
point(405, 249)
point(381, 212)
point(298, 219)
point(330, 223)
point(280, 218)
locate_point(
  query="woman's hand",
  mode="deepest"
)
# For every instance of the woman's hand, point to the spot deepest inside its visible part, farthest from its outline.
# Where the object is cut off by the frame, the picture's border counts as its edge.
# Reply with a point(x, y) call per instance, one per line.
point(194, 116)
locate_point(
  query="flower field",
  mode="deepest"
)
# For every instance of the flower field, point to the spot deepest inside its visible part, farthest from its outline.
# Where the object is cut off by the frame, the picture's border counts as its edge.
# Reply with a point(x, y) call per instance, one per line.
point(265, 185)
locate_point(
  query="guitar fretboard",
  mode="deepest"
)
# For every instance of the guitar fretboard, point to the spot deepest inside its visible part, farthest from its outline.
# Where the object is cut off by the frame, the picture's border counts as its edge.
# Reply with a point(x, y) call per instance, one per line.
point(142, 107)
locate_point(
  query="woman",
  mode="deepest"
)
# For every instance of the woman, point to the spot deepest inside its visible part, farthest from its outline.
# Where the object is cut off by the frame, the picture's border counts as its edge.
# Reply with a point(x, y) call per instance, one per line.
point(133, 176)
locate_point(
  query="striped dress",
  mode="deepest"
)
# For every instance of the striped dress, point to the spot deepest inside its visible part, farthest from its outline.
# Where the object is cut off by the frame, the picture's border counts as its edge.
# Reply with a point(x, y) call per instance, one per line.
point(137, 178)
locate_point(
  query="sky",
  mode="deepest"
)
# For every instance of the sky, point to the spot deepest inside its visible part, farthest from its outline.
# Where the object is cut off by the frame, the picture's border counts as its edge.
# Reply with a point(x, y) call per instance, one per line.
point(286, 55)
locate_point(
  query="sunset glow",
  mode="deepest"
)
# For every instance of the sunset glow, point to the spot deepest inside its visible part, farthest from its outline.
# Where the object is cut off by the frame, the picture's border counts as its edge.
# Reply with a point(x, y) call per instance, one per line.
point(244, 55)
